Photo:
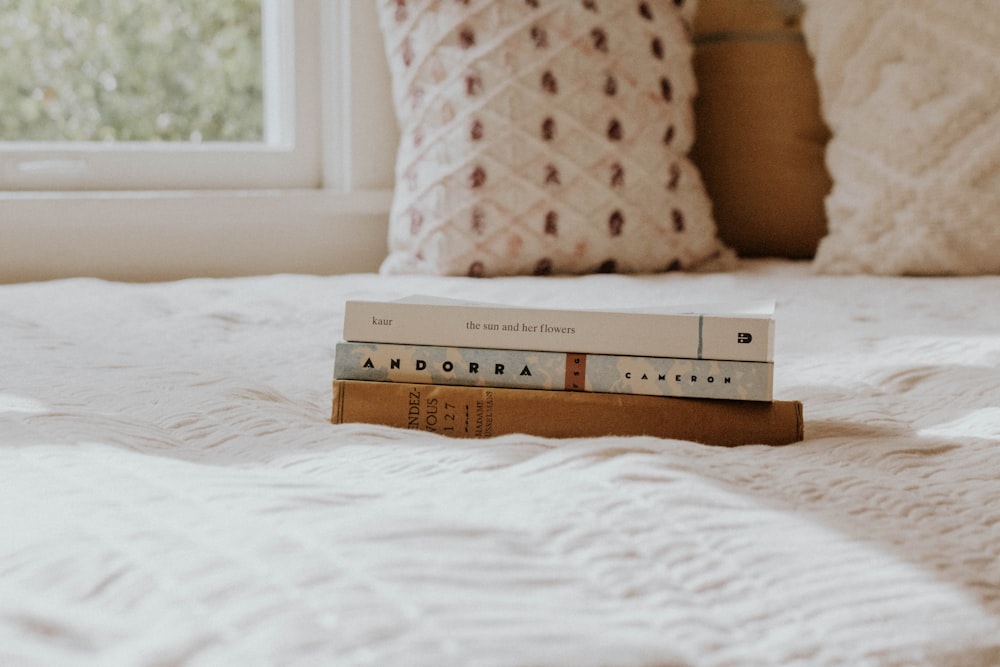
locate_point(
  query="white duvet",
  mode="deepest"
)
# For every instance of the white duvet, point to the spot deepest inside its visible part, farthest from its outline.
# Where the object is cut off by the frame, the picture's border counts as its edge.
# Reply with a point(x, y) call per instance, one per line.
point(172, 492)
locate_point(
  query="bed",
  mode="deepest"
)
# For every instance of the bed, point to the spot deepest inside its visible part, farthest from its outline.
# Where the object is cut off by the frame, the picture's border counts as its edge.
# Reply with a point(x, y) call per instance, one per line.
point(174, 493)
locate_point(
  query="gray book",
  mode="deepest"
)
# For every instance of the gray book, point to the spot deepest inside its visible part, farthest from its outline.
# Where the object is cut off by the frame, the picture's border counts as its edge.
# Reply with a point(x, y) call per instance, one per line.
point(526, 369)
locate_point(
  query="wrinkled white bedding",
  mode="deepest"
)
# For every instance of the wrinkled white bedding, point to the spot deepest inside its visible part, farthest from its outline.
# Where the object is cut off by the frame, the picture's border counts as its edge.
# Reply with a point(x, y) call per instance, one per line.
point(173, 494)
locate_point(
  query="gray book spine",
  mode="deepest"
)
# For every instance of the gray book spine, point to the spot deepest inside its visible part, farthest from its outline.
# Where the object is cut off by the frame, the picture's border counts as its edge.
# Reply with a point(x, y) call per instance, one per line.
point(558, 371)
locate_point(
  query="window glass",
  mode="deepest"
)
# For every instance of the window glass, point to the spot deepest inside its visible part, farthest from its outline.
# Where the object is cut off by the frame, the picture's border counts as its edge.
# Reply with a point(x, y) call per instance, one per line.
point(131, 70)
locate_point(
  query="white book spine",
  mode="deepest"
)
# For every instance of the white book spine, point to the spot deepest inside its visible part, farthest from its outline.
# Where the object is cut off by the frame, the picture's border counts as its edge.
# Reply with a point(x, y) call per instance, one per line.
point(739, 337)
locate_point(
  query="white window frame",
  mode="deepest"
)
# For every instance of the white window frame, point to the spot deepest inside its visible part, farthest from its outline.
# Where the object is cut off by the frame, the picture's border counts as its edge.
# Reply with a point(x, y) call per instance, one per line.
point(288, 156)
point(331, 221)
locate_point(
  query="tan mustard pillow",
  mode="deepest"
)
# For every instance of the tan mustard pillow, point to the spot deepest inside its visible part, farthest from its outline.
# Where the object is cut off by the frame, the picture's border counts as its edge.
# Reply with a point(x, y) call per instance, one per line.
point(761, 137)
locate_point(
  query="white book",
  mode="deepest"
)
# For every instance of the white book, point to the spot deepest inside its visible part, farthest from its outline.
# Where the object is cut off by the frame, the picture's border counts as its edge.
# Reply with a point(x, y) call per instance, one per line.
point(737, 332)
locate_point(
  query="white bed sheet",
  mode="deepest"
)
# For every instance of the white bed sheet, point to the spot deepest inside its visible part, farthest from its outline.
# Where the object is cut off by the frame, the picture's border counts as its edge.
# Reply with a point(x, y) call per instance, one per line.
point(172, 492)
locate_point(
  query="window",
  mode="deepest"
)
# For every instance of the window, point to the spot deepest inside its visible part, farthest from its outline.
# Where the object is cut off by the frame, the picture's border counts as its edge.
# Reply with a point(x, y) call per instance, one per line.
point(159, 96)
point(309, 193)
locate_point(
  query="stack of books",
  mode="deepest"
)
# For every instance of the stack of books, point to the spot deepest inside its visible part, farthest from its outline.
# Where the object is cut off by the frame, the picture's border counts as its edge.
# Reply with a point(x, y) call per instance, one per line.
point(473, 370)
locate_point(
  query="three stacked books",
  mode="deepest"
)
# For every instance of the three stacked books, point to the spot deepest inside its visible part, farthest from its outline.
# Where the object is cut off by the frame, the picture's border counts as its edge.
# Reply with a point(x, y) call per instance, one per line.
point(475, 370)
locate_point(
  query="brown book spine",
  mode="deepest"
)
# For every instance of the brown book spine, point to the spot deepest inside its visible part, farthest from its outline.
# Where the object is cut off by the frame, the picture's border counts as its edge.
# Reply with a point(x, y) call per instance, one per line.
point(483, 412)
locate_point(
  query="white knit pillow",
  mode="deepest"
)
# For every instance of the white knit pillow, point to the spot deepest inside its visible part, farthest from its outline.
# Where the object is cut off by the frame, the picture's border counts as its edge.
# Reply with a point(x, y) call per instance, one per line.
point(544, 136)
point(911, 91)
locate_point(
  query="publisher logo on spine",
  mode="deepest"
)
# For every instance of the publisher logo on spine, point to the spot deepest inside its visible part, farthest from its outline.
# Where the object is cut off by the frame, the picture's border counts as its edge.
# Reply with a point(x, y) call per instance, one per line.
point(743, 338)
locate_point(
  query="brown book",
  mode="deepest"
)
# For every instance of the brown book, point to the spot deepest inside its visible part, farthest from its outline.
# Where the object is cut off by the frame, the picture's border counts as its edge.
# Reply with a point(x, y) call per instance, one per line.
point(483, 412)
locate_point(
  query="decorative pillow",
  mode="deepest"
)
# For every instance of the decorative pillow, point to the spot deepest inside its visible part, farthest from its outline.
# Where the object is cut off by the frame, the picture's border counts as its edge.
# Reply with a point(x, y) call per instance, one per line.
point(761, 138)
point(910, 90)
point(544, 136)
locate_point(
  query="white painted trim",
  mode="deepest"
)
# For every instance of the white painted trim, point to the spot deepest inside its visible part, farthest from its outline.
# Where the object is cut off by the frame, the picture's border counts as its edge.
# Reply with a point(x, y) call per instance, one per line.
point(166, 236)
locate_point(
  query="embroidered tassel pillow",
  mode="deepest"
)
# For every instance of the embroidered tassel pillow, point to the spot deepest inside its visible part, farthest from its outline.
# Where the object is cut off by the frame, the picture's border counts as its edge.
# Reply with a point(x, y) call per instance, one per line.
point(545, 136)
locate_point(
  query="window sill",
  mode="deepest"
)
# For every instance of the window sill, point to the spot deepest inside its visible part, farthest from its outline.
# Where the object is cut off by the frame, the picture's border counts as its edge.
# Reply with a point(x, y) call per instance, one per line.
point(151, 236)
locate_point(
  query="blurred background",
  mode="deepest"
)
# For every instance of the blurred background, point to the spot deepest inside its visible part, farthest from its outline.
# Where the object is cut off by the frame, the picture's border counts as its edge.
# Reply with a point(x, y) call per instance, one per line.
point(131, 70)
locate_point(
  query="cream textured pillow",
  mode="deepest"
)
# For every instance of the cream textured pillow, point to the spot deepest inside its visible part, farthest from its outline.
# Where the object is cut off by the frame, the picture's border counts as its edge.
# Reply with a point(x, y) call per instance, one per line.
point(911, 91)
point(544, 136)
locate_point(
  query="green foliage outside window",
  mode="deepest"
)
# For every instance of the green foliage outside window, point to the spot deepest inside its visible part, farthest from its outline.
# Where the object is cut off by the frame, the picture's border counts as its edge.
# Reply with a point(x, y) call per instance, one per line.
point(130, 70)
